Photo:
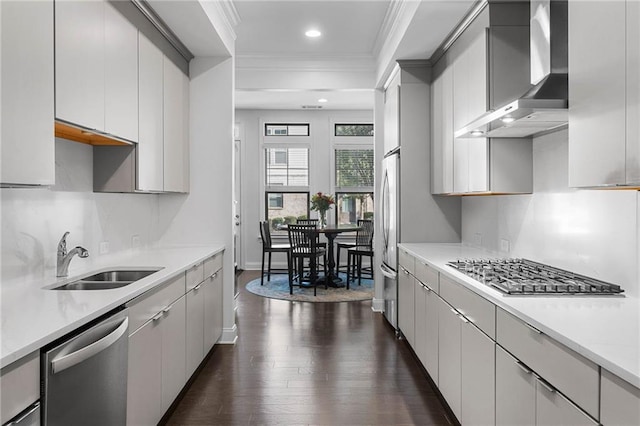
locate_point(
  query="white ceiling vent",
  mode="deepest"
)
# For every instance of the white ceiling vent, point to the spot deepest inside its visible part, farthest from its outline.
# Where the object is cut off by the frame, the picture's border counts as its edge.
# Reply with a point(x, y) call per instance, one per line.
point(311, 106)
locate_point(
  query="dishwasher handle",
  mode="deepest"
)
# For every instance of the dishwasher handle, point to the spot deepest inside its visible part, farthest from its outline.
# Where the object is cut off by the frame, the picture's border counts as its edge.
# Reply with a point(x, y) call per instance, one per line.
point(69, 360)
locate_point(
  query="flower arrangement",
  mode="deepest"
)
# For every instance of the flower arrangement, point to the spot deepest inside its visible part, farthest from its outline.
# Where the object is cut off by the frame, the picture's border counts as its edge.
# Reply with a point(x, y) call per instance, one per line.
point(321, 202)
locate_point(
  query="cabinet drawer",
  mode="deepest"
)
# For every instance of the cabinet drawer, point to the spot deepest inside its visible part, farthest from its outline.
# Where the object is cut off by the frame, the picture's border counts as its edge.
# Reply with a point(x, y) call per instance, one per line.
point(19, 385)
point(144, 307)
point(407, 261)
point(568, 371)
point(427, 275)
point(620, 401)
point(195, 275)
point(479, 311)
point(212, 265)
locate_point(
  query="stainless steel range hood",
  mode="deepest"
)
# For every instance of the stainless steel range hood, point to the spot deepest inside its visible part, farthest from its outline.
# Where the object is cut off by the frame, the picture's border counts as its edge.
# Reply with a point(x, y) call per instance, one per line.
point(544, 106)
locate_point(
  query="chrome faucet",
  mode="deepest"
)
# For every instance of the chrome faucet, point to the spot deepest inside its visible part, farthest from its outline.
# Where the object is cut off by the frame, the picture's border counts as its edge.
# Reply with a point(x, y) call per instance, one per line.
point(64, 258)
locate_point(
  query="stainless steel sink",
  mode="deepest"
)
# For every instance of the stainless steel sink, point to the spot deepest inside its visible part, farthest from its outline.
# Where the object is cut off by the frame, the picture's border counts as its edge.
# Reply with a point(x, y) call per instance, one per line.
point(107, 280)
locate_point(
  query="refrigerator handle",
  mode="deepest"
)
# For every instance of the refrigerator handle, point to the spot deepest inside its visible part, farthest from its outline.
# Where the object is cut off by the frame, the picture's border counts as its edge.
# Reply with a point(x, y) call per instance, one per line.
point(388, 272)
point(64, 362)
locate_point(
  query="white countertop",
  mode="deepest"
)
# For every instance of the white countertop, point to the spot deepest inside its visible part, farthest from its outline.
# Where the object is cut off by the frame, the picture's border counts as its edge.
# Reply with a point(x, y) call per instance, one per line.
point(604, 329)
point(33, 315)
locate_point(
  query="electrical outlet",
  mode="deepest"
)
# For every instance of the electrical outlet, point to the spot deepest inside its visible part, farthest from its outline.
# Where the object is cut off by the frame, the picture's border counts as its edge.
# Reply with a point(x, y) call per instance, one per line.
point(477, 239)
point(135, 241)
point(504, 245)
point(104, 247)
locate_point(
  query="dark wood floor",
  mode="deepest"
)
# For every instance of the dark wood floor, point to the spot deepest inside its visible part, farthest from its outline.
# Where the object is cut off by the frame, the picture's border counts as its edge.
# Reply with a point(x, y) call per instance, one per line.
point(309, 364)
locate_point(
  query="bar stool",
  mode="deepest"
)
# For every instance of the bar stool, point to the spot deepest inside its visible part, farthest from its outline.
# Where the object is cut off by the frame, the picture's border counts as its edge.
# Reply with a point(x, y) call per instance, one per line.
point(269, 247)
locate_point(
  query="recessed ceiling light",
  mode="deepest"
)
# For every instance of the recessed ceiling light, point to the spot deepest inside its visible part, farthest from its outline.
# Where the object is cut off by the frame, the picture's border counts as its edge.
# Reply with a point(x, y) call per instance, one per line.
point(322, 100)
point(313, 33)
point(477, 133)
point(508, 119)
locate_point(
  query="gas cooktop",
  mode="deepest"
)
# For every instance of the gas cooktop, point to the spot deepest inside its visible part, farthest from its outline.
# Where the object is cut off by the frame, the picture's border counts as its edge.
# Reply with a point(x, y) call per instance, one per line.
point(526, 277)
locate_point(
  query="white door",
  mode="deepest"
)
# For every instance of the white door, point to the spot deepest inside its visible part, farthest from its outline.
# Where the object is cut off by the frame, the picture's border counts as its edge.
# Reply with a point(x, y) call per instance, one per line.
point(237, 191)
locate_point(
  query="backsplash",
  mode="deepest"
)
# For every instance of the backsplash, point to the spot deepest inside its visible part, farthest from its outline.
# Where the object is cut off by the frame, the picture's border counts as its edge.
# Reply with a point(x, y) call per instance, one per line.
point(592, 232)
point(33, 220)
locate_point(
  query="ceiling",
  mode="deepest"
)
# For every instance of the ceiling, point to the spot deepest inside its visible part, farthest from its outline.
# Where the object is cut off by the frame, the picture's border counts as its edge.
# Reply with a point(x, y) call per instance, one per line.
point(278, 67)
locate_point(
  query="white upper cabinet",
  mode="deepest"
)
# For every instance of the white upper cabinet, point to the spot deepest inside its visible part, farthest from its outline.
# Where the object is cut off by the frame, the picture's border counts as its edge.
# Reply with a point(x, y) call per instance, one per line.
point(27, 143)
point(176, 124)
point(80, 65)
point(442, 128)
point(604, 93)
point(121, 75)
point(150, 145)
point(470, 81)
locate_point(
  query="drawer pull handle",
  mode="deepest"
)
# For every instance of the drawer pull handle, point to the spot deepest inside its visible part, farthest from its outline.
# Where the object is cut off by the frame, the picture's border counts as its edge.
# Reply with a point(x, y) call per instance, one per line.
point(196, 288)
point(454, 311)
point(215, 274)
point(158, 316)
point(532, 328)
point(546, 385)
point(463, 318)
point(405, 271)
point(523, 367)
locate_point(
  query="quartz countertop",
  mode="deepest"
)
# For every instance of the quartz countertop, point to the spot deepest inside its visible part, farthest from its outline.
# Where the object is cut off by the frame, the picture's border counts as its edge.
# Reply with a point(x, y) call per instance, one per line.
point(603, 329)
point(32, 315)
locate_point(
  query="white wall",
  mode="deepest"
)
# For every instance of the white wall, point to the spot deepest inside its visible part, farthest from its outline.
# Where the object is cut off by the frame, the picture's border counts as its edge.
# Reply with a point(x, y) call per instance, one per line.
point(592, 232)
point(252, 201)
point(34, 220)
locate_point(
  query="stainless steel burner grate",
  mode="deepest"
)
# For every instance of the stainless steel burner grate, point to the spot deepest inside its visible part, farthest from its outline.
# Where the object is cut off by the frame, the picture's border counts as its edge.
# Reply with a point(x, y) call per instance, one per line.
point(526, 277)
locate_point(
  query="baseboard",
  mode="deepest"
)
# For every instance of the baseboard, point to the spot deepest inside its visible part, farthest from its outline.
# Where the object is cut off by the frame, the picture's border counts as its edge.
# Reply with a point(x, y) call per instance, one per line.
point(229, 336)
point(377, 305)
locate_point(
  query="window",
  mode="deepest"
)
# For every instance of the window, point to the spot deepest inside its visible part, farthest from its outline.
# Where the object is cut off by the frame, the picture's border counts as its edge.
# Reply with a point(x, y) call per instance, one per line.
point(351, 206)
point(354, 184)
point(271, 129)
point(353, 130)
point(354, 168)
point(284, 208)
point(287, 167)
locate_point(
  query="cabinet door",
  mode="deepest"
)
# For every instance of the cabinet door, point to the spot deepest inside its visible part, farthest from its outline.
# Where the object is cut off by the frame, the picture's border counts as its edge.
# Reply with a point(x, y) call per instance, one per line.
point(478, 165)
point(173, 351)
point(195, 328)
point(515, 391)
point(633, 92)
point(620, 401)
point(392, 115)
point(449, 347)
point(121, 75)
point(431, 332)
point(144, 386)
point(476, 77)
point(212, 310)
point(28, 149)
point(442, 136)
point(150, 146)
point(478, 360)
point(420, 313)
point(406, 308)
point(554, 409)
point(176, 148)
point(596, 105)
point(79, 29)
point(461, 165)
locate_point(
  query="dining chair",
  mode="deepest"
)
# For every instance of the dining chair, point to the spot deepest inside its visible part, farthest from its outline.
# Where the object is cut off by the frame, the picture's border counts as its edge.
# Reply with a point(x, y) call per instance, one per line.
point(362, 248)
point(364, 237)
point(315, 223)
point(302, 240)
point(268, 248)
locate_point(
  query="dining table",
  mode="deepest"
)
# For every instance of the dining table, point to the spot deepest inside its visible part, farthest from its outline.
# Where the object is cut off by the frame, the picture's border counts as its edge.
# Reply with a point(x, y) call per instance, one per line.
point(331, 232)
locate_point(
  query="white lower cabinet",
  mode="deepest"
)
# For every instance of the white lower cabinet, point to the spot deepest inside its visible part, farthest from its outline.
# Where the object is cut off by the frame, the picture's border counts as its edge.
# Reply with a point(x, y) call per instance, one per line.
point(478, 374)
point(195, 328)
point(144, 387)
point(619, 401)
point(552, 408)
point(426, 328)
point(406, 307)
point(212, 290)
point(449, 355)
point(173, 351)
point(515, 391)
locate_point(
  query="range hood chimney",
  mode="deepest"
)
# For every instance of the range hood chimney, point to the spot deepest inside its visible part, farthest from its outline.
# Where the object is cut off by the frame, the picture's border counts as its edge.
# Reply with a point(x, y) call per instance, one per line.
point(544, 106)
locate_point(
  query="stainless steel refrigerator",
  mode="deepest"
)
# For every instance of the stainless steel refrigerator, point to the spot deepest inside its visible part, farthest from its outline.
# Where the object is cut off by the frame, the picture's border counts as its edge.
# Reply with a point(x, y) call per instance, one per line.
point(389, 209)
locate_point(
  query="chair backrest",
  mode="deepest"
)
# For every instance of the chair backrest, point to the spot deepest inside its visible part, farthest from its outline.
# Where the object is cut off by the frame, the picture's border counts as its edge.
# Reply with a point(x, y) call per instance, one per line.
point(307, 222)
point(302, 238)
point(364, 237)
point(265, 234)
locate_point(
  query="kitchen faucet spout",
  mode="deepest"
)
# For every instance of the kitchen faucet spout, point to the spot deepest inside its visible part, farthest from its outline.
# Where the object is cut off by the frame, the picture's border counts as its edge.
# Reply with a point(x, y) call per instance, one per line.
point(64, 257)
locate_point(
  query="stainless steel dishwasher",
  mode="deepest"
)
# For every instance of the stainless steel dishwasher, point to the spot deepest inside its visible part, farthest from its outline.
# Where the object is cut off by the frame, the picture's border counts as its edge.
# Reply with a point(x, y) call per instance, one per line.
point(84, 375)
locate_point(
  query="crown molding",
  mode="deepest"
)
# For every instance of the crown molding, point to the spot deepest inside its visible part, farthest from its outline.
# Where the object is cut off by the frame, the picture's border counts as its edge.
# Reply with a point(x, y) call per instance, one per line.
point(306, 62)
point(389, 23)
point(230, 14)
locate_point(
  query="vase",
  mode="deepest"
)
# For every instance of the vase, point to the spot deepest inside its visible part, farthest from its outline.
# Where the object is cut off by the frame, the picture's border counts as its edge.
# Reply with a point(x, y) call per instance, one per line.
point(322, 218)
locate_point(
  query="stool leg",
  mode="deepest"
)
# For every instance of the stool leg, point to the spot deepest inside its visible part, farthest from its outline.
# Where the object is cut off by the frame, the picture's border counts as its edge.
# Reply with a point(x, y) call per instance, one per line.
point(262, 269)
point(269, 268)
point(348, 268)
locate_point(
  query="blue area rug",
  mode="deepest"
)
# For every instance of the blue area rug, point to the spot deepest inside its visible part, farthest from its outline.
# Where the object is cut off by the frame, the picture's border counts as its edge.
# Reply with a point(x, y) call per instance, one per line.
point(278, 288)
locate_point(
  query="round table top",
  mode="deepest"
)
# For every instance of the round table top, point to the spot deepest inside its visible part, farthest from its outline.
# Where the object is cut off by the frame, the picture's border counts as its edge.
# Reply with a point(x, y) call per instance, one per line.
point(336, 229)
